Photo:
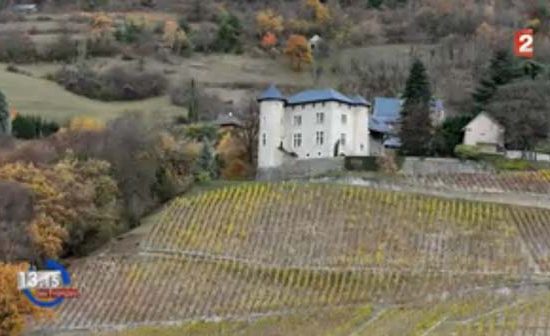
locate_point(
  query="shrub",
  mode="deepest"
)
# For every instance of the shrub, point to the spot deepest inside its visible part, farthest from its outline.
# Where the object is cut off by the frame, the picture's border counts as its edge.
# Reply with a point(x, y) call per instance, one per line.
point(184, 25)
point(387, 163)
point(515, 164)
point(116, 83)
point(17, 47)
point(101, 47)
point(450, 134)
point(203, 37)
point(128, 32)
point(467, 152)
point(202, 132)
point(228, 38)
point(32, 127)
point(63, 49)
point(86, 124)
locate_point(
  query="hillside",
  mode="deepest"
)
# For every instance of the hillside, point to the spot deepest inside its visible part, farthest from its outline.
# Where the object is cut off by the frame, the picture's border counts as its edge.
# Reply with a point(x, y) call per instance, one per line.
point(259, 250)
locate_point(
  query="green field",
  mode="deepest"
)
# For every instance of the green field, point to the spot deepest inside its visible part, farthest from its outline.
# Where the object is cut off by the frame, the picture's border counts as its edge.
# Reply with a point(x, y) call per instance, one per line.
point(35, 96)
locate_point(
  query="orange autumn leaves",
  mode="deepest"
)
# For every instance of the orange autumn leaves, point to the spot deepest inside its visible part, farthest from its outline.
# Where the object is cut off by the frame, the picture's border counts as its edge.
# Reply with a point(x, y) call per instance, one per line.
point(270, 26)
point(14, 307)
point(298, 51)
point(67, 196)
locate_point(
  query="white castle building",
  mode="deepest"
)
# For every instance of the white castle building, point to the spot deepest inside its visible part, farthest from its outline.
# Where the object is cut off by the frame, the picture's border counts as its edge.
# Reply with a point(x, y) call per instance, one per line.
point(311, 124)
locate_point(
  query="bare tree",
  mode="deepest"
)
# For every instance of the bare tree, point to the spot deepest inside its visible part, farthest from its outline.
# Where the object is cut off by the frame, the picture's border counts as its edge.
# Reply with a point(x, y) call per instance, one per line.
point(250, 117)
point(373, 79)
point(523, 108)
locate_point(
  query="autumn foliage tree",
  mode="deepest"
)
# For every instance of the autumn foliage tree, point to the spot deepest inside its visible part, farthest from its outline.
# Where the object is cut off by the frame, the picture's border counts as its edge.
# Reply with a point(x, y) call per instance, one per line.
point(233, 152)
point(321, 13)
point(14, 307)
point(269, 40)
point(75, 205)
point(174, 36)
point(269, 21)
point(298, 51)
point(101, 25)
point(86, 124)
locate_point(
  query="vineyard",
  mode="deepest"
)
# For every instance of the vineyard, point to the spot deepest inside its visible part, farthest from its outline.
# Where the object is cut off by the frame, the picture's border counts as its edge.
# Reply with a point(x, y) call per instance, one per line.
point(258, 250)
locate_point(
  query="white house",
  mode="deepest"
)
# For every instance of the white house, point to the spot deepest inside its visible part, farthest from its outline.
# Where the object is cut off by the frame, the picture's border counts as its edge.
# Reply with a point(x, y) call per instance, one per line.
point(311, 124)
point(484, 132)
point(25, 8)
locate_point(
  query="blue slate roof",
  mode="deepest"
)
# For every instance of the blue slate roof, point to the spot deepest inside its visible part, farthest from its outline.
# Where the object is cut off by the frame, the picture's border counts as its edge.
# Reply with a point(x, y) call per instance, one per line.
point(358, 100)
point(386, 112)
point(311, 96)
point(387, 108)
point(272, 93)
point(385, 115)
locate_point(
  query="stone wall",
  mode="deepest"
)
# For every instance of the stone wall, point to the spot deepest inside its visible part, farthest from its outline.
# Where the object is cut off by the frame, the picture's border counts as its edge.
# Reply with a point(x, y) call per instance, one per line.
point(422, 166)
point(532, 156)
point(297, 169)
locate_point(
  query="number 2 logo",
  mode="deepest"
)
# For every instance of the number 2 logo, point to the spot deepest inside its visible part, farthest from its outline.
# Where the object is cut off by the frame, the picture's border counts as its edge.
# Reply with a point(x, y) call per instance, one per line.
point(524, 43)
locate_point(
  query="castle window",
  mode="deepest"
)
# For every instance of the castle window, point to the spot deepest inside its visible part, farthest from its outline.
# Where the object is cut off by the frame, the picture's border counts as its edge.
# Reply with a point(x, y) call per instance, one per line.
point(297, 140)
point(343, 139)
point(323, 104)
point(362, 147)
point(344, 118)
point(297, 120)
point(320, 117)
point(264, 139)
point(319, 138)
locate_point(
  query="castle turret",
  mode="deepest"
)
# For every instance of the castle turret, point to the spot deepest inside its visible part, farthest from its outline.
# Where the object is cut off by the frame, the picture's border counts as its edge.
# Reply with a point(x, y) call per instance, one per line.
point(272, 108)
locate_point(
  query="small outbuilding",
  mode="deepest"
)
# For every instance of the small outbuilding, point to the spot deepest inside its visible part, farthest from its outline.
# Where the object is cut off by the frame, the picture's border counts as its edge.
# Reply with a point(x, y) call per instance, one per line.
point(485, 132)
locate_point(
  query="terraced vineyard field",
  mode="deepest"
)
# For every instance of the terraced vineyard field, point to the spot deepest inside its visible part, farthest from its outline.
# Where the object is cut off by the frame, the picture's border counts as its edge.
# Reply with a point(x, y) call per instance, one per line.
point(257, 250)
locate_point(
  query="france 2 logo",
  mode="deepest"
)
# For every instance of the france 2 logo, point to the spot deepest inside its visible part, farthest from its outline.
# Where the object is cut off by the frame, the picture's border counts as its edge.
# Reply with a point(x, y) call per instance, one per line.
point(523, 43)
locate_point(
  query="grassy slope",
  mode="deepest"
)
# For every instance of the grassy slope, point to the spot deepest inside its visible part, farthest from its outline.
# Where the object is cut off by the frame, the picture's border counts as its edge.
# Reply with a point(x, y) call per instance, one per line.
point(34, 96)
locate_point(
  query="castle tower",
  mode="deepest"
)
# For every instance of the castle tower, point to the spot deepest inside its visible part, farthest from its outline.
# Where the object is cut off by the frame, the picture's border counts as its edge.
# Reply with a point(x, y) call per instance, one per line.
point(272, 108)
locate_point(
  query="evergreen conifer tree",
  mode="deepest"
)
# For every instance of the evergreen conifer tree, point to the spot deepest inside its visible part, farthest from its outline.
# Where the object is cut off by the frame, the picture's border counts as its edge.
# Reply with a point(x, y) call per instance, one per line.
point(415, 127)
point(5, 120)
point(193, 102)
point(206, 166)
point(502, 70)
